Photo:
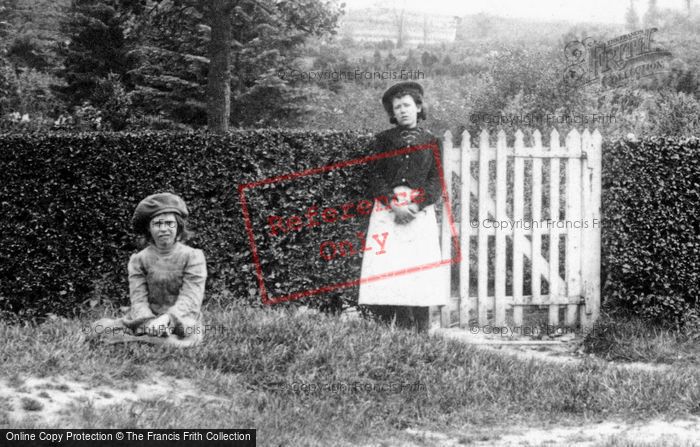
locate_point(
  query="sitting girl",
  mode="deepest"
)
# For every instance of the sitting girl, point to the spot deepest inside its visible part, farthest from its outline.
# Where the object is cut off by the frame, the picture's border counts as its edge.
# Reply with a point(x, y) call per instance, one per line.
point(166, 279)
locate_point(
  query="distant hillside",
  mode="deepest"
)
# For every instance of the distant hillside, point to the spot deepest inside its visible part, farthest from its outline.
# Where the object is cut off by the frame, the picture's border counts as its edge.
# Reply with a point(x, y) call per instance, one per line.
point(380, 24)
point(489, 27)
point(383, 24)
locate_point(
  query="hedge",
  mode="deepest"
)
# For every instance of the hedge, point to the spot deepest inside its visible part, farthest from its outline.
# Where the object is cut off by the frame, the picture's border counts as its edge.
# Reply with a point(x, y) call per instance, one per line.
point(67, 201)
point(651, 227)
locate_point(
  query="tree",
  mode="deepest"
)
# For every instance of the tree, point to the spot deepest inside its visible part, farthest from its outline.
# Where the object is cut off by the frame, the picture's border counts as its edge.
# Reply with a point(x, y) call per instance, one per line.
point(651, 18)
point(377, 58)
point(29, 35)
point(32, 31)
point(428, 59)
point(411, 61)
point(390, 61)
point(247, 42)
point(219, 81)
point(96, 48)
point(6, 12)
point(631, 18)
point(399, 13)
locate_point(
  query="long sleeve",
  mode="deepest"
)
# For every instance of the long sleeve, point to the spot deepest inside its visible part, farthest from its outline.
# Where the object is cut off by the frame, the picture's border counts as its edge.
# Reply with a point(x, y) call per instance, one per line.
point(433, 185)
point(138, 290)
point(379, 184)
point(188, 305)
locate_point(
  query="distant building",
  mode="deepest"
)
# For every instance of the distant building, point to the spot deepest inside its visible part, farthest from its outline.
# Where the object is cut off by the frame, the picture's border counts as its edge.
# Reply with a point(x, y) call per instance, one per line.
point(376, 25)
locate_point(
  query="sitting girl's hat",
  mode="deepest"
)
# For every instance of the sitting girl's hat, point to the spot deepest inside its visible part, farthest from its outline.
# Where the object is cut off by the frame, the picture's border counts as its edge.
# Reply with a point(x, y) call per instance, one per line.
point(154, 204)
point(407, 85)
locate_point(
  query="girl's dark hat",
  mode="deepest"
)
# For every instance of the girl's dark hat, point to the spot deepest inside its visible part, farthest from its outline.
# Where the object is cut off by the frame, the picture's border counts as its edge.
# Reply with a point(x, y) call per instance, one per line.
point(155, 204)
point(407, 85)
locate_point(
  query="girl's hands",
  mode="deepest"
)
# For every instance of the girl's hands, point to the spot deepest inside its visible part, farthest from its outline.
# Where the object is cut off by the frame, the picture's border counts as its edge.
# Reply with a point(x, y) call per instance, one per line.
point(404, 210)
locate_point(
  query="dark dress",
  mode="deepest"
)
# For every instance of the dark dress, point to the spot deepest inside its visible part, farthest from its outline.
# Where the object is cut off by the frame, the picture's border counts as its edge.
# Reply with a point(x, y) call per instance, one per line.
point(384, 279)
point(417, 170)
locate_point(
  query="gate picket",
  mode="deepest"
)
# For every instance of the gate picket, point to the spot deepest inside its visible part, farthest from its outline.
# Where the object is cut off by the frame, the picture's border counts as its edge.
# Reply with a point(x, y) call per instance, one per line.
point(579, 290)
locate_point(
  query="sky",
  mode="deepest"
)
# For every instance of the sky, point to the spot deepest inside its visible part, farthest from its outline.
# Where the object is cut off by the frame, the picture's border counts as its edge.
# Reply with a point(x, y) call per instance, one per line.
point(604, 11)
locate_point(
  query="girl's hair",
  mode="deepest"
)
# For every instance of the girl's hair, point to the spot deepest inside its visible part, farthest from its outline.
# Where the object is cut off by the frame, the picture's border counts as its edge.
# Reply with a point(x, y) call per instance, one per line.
point(182, 235)
point(417, 98)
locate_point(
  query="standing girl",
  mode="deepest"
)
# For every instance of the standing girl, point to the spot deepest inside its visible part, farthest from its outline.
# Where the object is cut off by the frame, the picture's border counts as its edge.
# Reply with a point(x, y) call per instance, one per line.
point(411, 182)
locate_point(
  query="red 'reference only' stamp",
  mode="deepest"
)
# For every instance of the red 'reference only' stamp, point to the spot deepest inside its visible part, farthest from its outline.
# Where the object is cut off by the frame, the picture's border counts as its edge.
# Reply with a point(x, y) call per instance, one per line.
point(278, 224)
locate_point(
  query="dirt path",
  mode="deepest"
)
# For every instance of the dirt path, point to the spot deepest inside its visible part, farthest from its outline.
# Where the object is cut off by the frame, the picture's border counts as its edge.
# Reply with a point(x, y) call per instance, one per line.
point(565, 349)
point(52, 400)
point(562, 350)
point(656, 432)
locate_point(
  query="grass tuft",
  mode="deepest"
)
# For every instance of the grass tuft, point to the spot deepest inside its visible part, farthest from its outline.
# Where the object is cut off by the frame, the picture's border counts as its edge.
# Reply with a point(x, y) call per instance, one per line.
point(630, 338)
point(29, 404)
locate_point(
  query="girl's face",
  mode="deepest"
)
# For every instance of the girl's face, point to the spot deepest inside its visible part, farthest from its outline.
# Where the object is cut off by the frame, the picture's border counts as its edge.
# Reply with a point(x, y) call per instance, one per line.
point(405, 111)
point(163, 228)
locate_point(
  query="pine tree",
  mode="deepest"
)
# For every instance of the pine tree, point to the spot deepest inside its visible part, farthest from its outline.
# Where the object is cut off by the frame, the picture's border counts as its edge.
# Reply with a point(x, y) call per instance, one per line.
point(96, 48)
point(217, 61)
point(170, 67)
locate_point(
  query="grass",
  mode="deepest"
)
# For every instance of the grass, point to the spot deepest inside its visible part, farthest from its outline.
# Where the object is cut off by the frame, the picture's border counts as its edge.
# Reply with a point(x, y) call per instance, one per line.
point(29, 404)
point(631, 339)
point(313, 379)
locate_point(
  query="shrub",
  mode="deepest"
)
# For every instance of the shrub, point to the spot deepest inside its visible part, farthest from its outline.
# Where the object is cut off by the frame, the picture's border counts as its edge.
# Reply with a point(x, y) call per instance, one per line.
point(67, 202)
point(651, 251)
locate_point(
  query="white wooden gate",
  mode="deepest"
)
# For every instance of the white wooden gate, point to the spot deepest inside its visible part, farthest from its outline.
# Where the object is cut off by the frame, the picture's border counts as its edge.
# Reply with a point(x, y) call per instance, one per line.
point(570, 228)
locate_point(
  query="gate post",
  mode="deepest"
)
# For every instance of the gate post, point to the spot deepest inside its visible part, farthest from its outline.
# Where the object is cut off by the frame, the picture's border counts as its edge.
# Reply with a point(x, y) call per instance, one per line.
point(591, 253)
point(446, 239)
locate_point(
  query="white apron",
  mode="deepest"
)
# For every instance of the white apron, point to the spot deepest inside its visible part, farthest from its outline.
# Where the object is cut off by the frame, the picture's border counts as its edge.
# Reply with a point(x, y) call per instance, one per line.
point(407, 246)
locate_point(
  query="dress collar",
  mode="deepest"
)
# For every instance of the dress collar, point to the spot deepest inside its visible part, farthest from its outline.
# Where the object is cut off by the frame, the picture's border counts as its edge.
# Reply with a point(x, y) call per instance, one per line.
point(409, 134)
point(165, 251)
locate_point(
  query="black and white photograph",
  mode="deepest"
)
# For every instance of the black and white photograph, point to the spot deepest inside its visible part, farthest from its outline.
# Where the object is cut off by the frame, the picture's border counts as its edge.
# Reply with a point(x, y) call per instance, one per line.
point(344, 223)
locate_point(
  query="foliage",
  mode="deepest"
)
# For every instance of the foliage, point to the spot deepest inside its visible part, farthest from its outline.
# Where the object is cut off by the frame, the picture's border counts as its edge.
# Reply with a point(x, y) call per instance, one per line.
point(30, 32)
point(651, 252)
point(651, 17)
point(26, 91)
point(113, 100)
point(631, 18)
point(157, 54)
point(67, 201)
point(28, 36)
point(169, 73)
point(643, 112)
point(171, 43)
point(60, 212)
point(97, 48)
point(624, 336)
